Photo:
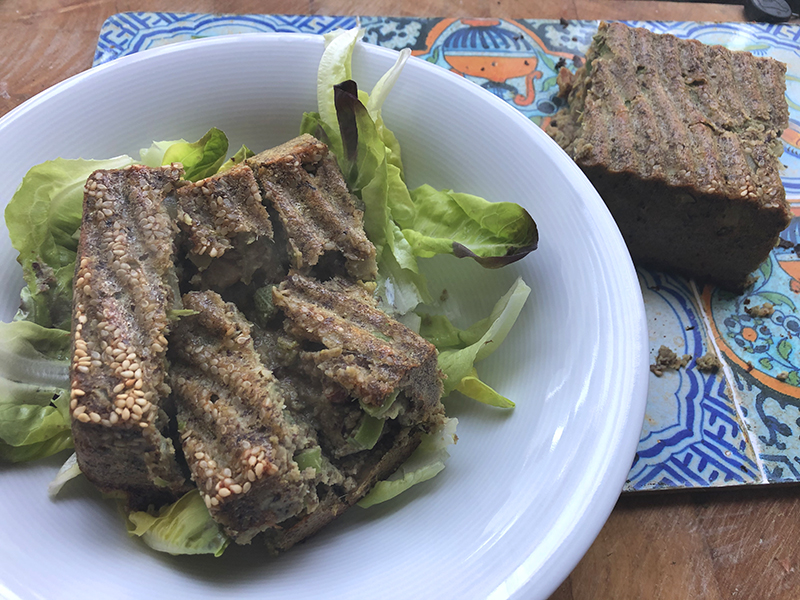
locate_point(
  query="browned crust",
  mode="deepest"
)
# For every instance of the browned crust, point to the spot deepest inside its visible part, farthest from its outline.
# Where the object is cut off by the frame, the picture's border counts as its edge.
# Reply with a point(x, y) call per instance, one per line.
point(682, 142)
point(367, 352)
point(238, 441)
point(217, 210)
point(122, 292)
point(302, 182)
point(383, 460)
point(228, 231)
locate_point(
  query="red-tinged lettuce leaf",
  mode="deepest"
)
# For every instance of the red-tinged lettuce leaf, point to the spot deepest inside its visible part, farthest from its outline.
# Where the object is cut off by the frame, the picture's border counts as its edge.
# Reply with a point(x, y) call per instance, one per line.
point(446, 222)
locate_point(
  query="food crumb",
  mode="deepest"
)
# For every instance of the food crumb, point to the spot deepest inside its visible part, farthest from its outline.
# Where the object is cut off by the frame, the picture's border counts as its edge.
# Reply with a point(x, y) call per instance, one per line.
point(667, 359)
point(709, 363)
point(444, 295)
point(764, 311)
point(782, 376)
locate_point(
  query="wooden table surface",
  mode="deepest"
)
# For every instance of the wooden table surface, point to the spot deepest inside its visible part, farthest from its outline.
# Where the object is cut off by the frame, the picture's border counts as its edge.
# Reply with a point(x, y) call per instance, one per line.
point(734, 543)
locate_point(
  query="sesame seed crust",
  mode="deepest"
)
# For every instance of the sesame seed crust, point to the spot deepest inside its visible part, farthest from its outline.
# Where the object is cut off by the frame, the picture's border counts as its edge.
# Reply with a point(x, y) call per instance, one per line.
point(120, 301)
point(228, 230)
point(238, 441)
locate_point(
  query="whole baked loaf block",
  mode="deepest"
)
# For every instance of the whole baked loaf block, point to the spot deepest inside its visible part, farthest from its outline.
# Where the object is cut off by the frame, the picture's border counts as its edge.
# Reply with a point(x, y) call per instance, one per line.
point(682, 141)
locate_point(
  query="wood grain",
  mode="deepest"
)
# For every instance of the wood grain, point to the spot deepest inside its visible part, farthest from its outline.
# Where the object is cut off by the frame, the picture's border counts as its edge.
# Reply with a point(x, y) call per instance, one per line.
point(741, 543)
point(710, 545)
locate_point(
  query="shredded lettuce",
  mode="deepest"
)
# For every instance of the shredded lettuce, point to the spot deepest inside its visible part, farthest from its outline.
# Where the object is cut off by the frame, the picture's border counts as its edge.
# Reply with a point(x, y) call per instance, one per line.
point(183, 527)
point(459, 350)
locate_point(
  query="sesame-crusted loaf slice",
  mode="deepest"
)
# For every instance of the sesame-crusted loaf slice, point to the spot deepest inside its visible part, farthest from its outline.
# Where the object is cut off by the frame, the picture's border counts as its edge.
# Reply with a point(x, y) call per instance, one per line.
point(124, 282)
point(390, 369)
point(301, 181)
point(682, 142)
point(245, 452)
point(228, 231)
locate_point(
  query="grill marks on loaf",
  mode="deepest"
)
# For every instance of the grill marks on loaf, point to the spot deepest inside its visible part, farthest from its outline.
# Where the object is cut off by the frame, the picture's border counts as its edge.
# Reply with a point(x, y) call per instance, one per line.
point(122, 291)
point(237, 438)
point(305, 187)
point(678, 111)
point(366, 352)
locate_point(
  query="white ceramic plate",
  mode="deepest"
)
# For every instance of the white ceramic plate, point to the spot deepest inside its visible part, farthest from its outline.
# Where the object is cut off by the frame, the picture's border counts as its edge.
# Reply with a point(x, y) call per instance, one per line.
point(525, 492)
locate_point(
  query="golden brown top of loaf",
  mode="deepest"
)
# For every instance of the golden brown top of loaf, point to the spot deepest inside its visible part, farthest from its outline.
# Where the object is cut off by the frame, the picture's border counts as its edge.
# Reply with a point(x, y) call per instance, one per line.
point(680, 112)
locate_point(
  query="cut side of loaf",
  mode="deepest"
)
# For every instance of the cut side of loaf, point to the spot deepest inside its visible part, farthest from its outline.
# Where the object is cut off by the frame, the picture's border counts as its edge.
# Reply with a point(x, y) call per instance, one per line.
point(682, 142)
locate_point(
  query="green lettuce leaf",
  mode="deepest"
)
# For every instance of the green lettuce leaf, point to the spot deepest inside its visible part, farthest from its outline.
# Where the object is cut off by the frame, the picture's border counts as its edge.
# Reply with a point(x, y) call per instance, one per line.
point(445, 222)
point(154, 155)
point(183, 527)
point(34, 398)
point(404, 224)
point(242, 154)
point(459, 350)
point(43, 218)
point(69, 470)
point(200, 159)
point(425, 463)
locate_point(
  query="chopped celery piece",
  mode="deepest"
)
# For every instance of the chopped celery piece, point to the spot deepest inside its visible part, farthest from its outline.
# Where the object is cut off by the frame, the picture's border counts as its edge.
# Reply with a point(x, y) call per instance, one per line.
point(368, 432)
point(310, 457)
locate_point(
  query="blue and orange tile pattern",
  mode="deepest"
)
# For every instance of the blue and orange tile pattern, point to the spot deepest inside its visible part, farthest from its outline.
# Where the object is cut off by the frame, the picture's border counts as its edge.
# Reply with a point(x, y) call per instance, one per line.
point(738, 426)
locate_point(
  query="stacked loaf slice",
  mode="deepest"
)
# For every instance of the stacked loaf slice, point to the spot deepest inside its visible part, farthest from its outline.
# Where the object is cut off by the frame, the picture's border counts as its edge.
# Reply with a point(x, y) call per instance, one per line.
point(227, 338)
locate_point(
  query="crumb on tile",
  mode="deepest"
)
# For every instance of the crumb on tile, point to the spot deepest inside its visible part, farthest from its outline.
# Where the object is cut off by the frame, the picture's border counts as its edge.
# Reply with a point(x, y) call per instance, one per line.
point(667, 359)
point(764, 311)
point(709, 363)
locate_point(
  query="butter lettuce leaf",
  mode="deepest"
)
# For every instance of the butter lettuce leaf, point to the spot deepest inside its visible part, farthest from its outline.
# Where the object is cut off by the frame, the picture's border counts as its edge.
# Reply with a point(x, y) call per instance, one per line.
point(425, 462)
point(446, 222)
point(428, 221)
point(241, 155)
point(34, 397)
point(183, 527)
point(459, 350)
point(200, 159)
point(43, 218)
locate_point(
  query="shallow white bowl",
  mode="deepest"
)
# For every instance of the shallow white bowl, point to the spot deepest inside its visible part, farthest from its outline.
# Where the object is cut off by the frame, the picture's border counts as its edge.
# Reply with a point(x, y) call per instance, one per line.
point(525, 492)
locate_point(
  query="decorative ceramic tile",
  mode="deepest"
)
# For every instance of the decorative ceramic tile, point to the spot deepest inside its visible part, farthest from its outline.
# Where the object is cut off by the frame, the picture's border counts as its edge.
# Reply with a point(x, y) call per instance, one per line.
point(740, 425)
